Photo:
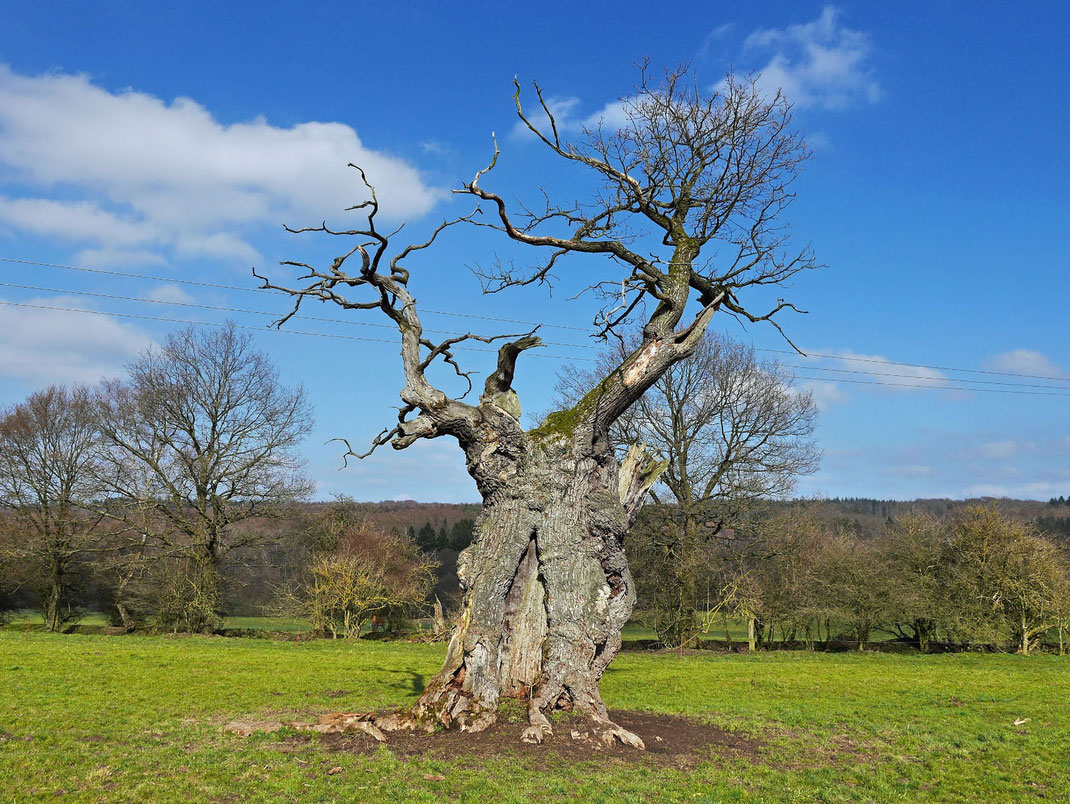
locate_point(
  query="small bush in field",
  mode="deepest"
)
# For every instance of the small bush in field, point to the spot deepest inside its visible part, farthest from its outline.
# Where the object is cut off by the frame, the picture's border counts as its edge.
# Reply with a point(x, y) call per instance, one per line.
point(359, 573)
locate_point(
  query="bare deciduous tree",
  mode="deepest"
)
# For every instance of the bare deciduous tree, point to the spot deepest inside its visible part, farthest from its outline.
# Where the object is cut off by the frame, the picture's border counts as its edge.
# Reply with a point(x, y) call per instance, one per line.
point(910, 555)
point(689, 191)
point(49, 478)
point(202, 436)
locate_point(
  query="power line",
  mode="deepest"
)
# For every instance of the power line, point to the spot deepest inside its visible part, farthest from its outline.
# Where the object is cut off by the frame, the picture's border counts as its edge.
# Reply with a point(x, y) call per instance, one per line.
point(916, 365)
point(935, 387)
point(479, 349)
point(222, 308)
point(227, 309)
point(916, 377)
point(256, 329)
point(242, 289)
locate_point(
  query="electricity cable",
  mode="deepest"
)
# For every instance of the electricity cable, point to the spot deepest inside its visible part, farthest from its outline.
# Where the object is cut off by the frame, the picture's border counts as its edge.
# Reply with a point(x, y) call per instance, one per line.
point(934, 387)
point(479, 349)
point(242, 289)
point(219, 308)
point(257, 329)
point(176, 280)
point(226, 309)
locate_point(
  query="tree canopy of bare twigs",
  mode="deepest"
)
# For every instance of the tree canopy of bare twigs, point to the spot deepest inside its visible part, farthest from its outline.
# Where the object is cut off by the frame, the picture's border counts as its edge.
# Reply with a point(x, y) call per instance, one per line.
point(50, 477)
point(199, 437)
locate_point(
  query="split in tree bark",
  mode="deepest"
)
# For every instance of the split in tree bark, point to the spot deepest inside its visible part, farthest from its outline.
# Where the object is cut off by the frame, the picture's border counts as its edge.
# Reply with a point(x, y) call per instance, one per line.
point(546, 582)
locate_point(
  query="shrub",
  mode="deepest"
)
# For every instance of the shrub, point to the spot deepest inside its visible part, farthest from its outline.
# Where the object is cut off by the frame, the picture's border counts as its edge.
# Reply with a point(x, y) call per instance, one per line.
point(367, 574)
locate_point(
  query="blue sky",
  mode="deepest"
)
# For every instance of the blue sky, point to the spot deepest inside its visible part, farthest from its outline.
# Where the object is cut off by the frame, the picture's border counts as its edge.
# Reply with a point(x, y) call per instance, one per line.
point(173, 140)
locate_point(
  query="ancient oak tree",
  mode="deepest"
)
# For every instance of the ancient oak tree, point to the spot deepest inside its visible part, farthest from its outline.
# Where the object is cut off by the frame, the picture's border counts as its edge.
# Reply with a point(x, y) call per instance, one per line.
point(683, 218)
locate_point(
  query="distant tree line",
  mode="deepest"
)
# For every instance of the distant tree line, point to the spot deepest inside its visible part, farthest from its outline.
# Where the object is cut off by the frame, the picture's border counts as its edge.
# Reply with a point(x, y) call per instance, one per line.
point(136, 491)
point(175, 495)
point(454, 537)
point(973, 579)
point(1056, 527)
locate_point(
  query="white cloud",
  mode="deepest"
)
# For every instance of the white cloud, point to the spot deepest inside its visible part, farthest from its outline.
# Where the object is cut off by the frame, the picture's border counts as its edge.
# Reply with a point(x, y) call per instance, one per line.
point(109, 257)
point(895, 376)
point(820, 64)
point(151, 177)
point(1035, 490)
point(38, 346)
point(563, 110)
point(825, 394)
point(1006, 448)
point(612, 116)
point(75, 221)
point(217, 244)
point(1041, 489)
point(435, 148)
point(718, 33)
point(887, 375)
point(986, 490)
point(1026, 361)
point(911, 470)
point(819, 141)
point(171, 294)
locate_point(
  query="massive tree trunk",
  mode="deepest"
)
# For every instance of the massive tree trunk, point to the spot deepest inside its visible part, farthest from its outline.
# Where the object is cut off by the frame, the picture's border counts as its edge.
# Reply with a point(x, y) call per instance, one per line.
point(546, 587)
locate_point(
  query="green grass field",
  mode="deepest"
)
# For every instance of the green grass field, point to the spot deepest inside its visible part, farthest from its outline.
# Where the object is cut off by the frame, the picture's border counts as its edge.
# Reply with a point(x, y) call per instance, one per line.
point(139, 718)
point(96, 622)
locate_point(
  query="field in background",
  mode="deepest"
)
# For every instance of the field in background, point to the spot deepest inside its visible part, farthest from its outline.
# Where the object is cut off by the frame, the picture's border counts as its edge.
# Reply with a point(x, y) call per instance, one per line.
point(139, 718)
point(95, 622)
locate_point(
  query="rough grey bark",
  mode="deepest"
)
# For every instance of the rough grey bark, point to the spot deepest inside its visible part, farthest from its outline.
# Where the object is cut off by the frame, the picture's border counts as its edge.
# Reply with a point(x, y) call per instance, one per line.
point(547, 588)
point(546, 584)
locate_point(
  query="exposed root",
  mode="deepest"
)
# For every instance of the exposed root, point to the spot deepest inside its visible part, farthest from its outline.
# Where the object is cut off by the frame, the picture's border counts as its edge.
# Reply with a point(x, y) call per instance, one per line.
point(600, 732)
point(614, 732)
point(480, 722)
point(453, 708)
point(345, 723)
point(533, 735)
point(540, 727)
